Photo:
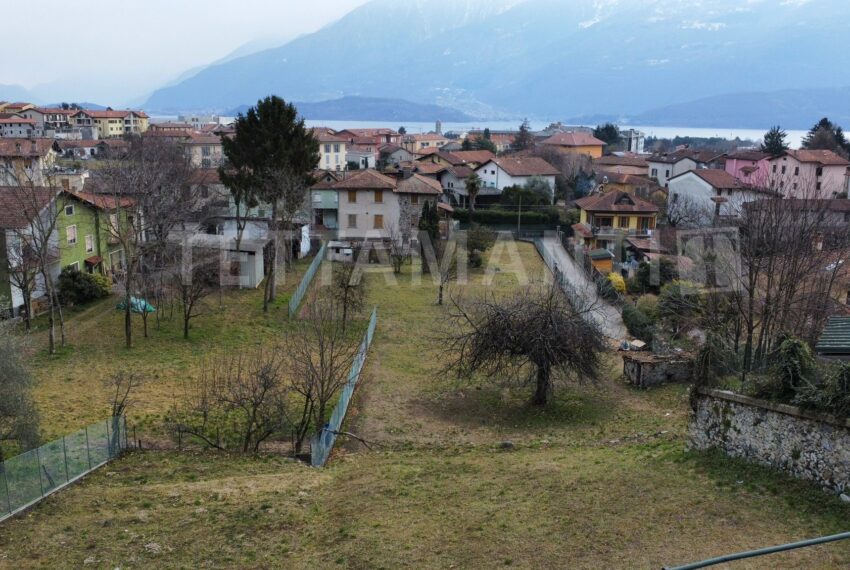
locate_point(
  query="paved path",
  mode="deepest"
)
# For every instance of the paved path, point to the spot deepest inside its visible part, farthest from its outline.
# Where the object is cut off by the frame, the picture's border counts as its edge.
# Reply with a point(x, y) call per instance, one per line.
point(607, 316)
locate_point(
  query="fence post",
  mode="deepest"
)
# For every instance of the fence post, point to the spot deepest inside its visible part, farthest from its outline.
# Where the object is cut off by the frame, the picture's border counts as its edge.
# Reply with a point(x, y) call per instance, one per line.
point(6, 484)
point(38, 458)
point(88, 452)
point(108, 441)
point(65, 455)
point(126, 446)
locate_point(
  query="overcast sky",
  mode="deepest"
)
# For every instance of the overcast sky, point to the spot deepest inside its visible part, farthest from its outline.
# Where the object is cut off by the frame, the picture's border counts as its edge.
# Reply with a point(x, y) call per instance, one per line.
point(117, 51)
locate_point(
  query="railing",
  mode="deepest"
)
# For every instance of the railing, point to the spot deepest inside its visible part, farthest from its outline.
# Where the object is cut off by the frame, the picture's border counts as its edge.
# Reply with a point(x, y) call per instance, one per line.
point(29, 477)
point(568, 288)
point(295, 301)
point(322, 443)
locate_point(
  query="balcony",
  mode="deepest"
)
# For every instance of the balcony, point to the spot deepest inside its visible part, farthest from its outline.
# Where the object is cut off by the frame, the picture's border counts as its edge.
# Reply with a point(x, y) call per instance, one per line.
point(612, 232)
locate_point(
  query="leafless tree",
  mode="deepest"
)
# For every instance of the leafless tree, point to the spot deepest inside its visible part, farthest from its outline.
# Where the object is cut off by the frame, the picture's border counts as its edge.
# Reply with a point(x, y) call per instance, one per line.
point(194, 274)
point(446, 251)
point(123, 385)
point(532, 336)
point(349, 289)
point(398, 242)
point(151, 195)
point(18, 413)
point(319, 354)
point(239, 400)
point(22, 268)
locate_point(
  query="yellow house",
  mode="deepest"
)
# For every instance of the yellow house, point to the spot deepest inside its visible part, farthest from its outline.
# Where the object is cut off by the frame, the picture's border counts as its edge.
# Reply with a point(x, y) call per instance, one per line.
point(26, 161)
point(419, 143)
point(606, 219)
point(576, 143)
point(112, 123)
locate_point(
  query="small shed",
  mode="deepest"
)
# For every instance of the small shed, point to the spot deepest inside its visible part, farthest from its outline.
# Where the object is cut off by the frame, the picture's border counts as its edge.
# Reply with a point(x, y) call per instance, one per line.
point(602, 260)
point(645, 369)
point(834, 341)
point(340, 251)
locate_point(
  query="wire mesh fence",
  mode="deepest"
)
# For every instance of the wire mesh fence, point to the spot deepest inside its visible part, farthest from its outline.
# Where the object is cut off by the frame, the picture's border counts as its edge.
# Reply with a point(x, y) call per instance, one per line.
point(322, 443)
point(295, 301)
point(562, 281)
point(29, 477)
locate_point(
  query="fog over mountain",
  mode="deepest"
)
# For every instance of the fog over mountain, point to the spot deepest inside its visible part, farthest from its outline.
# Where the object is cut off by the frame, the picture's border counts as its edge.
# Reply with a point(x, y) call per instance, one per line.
point(551, 59)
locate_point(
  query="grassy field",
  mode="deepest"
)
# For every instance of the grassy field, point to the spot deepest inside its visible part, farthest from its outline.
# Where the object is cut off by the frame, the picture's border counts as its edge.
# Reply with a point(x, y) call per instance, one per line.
point(598, 480)
point(69, 386)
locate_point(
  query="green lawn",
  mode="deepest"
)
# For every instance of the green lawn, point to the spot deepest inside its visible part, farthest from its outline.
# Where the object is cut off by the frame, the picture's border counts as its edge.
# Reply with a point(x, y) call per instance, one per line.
point(598, 480)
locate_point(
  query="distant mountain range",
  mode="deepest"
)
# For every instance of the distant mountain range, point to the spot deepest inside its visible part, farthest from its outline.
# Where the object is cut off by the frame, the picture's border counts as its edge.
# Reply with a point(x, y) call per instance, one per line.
point(550, 59)
point(14, 93)
point(372, 109)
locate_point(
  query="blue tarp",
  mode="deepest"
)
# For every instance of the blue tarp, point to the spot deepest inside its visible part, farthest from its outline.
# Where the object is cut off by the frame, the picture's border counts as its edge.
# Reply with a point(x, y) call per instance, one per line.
point(137, 306)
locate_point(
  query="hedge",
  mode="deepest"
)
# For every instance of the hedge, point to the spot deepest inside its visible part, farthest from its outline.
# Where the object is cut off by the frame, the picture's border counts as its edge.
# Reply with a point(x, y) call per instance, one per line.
point(497, 216)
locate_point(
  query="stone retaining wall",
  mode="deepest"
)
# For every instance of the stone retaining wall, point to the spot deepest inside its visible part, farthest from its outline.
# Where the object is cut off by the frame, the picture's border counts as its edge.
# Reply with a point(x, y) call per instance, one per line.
point(805, 445)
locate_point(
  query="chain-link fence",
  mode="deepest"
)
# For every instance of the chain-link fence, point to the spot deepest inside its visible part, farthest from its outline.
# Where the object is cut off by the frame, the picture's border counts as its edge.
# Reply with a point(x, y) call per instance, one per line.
point(29, 477)
point(322, 443)
point(295, 301)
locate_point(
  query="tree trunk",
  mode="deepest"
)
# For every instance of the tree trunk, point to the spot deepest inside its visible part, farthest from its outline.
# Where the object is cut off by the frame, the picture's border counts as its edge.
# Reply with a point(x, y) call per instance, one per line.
point(61, 319)
point(440, 295)
point(51, 335)
point(541, 393)
point(273, 274)
point(186, 328)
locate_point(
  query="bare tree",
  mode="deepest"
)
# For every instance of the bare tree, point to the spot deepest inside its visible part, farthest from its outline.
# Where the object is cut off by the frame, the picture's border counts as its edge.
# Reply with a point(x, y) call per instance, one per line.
point(320, 354)
point(22, 268)
point(18, 413)
point(194, 276)
point(446, 251)
point(532, 336)
point(398, 243)
point(122, 385)
point(349, 289)
point(149, 192)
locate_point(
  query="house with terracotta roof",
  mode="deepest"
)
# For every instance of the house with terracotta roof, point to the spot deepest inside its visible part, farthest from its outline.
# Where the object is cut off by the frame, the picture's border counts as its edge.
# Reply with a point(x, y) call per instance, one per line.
point(498, 173)
point(26, 160)
point(576, 143)
point(48, 118)
point(605, 220)
point(625, 164)
point(332, 149)
point(111, 123)
point(453, 180)
point(808, 174)
point(417, 143)
point(204, 150)
point(15, 126)
point(701, 194)
point(370, 203)
point(377, 137)
point(503, 141)
point(468, 158)
point(630, 183)
point(392, 155)
point(665, 166)
point(748, 166)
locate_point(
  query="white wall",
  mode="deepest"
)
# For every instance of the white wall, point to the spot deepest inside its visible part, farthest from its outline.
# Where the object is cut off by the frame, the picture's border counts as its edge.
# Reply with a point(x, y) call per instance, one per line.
point(663, 171)
point(494, 179)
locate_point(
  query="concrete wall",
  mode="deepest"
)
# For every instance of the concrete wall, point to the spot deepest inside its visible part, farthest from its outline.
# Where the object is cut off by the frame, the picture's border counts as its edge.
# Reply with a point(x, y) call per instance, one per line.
point(802, 444)
point(645, 371)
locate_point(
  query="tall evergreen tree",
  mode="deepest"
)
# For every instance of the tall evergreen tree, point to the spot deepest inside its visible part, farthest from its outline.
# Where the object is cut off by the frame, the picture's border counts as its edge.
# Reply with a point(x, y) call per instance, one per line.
point(270, 159)
point(774, 141)
point(826, 135)
point(607, 133)
point(524, 139)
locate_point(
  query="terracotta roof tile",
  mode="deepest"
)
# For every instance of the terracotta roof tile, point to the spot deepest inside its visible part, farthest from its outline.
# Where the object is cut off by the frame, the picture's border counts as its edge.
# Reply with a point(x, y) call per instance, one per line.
point(573, 139)
point(418, 184)
point(18, 206)
point(366, 180)
point(524, 166)
point(616, 202)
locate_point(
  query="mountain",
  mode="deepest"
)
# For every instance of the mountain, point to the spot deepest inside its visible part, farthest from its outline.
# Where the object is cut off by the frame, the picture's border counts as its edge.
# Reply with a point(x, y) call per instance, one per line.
point(15, 93)
point(544, 59)
point(791, 108)
point(372, 109)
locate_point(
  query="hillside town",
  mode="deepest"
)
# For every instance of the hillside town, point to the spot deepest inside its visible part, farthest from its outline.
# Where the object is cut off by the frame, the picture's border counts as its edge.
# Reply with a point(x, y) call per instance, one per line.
point(229, 277)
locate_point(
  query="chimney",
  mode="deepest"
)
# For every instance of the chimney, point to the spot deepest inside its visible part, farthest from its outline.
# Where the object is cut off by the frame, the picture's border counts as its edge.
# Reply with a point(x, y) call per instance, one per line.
point(406, 172)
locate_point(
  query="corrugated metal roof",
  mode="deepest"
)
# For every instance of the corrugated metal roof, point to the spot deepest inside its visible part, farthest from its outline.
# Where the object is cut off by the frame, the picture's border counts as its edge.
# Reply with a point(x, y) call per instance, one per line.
point(835, 338)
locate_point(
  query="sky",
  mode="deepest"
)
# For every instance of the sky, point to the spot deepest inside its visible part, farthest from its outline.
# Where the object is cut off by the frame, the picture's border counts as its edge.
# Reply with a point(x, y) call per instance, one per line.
point(115, 52)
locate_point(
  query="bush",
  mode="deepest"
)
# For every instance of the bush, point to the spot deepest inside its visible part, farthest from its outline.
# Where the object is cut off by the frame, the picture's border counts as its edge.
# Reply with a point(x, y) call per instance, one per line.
point(78, 288)
point(648, 304)
point(638, 323)
point(832, 396)
point(605, 289)
point(654, 275)
point(617, 282)
point(794, 367)
point(497, 216)
point(478, 240)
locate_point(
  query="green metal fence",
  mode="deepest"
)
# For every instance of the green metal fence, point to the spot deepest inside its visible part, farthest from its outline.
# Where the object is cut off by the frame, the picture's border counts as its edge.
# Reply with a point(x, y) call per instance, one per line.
point(29, 477)
point(322, 443)
point(295, 301)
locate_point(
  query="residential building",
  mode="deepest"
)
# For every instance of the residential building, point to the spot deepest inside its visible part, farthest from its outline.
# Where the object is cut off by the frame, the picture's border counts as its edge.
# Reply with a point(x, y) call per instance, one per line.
point(576, 143)
point(630, 183)
point(469, 158)
point(15, 126)
point(363, 159)
point(332, 150)
point(15, 108)
point(503, 141)
point(606, 219)
point(371, 203)
point(392, 155)
point(696, 196)
point(808, 174)
point(665, 166)
point(499, 173)
point(175, 127)
point(325, 201)
point(377, 137)
point(26, 160)
point(82, 149)
point(204, 150)
point(85, 224)
point(749, 166)
point(111, 123)
point(622, 164)
point(48, 118)
point(420, 142)
point(453, 180)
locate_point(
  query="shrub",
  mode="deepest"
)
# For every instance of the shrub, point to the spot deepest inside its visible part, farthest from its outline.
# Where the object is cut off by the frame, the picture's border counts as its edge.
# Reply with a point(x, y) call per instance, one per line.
point(78, 288)
point(478, 240)
point(648, 304)
point(497, 216)
point(655, 274)
point(832, 396)
point(794, 366)
point(638, 324)
point(605, 288)
point(617, 282)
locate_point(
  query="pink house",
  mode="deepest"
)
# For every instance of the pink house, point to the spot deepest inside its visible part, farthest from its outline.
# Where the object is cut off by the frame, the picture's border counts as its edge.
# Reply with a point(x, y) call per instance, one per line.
point(748, 166)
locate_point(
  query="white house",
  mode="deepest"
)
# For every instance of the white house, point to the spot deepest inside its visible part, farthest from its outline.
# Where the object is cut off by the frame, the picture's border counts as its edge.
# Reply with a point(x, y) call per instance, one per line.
point(332, 150)
point(15, 126)
point(698, 195)
point(665, 166)
point(498, 173)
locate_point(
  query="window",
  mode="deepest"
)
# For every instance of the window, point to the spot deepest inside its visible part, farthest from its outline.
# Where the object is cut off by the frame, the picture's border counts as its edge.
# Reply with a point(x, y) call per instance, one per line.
point(675, 198)
point(317, 197)
point(69, 210)
point(414, 199)
point(327, 148)
point(89, 243)
point(352, 196)
point(796, 171)
point(379, 222)
point(783, 169)
point(205, 151)
point(819, 171)
point(352, 220)
point(71, 235)
point(205, 163)
point(336, 148)
point(666, 174)
point(655, 172)
point(75, 266)
point(624, 221)
point(774, 169)
point(379, 196)
point(818, 185)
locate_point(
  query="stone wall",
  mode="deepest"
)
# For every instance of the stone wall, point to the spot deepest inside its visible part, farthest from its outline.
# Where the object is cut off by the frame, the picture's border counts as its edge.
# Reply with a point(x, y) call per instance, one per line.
point(645, 370)
point(802, 444)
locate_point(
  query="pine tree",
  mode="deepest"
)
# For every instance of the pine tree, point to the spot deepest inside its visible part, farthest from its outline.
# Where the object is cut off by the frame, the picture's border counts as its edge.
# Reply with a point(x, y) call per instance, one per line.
point(524, 139)
point(774, 141)
point(826, 135)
